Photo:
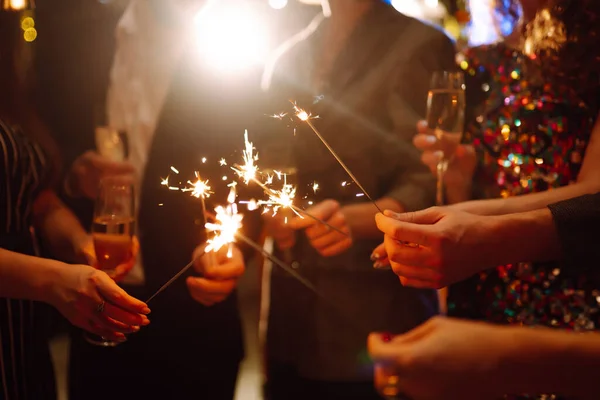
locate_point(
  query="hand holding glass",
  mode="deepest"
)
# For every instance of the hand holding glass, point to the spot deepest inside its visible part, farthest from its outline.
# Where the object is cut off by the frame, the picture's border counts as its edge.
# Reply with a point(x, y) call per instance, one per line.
point(112, 231)
point(446, 119)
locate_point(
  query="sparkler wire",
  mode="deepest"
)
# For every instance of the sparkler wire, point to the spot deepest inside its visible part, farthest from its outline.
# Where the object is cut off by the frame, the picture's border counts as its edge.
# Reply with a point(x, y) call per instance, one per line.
point(339, 160)
point(175, 277)
point(305, 282)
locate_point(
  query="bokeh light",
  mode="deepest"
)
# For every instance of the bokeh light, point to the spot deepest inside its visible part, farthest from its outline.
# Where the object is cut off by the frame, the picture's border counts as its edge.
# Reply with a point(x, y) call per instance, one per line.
point(30, 34)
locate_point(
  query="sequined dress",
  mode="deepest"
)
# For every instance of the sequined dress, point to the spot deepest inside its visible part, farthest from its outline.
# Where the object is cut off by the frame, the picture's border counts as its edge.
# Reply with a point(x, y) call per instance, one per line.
point(529, 138)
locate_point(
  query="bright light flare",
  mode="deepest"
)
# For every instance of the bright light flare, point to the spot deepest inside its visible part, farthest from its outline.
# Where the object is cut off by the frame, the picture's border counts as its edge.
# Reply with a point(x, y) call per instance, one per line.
point(231, 36)
point(227, 224)
point(278, 4)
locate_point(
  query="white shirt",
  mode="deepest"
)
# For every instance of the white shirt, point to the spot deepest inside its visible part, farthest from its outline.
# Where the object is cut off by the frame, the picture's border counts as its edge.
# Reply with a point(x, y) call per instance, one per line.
point(147, 54)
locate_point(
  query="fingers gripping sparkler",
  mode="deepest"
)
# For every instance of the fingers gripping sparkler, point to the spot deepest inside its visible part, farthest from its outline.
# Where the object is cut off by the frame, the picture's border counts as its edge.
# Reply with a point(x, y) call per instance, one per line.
point(227, 222)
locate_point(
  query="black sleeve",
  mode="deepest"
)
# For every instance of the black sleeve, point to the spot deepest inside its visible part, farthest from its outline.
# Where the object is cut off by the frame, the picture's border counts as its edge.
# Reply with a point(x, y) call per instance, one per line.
point(577, 222)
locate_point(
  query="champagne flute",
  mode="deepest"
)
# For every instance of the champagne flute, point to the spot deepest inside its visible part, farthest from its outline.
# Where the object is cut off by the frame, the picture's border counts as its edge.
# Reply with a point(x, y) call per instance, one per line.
point(112, 232)
point(446, 119)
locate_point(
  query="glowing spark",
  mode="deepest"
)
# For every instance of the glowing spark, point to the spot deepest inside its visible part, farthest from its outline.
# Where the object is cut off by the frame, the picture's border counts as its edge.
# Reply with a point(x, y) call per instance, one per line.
point(203, 160)
point(160, 204)
point(344, 183)
point(280, 199)
point(224, 177)
point(249, 170)
point(228, 222)
point(222, 162)
point(302, 114)
point(310, 203)
point(315, 187)
point(164, 181)
point(252, 205)
point(279, 116)
point(174, 170)
point(360, 194)
point(269, 179)
point(173, 188)
point(199, 188)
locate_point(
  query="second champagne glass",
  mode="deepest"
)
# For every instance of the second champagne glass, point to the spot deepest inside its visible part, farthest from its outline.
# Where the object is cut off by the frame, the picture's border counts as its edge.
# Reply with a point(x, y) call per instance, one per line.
point(446, 119)
point(112, 232)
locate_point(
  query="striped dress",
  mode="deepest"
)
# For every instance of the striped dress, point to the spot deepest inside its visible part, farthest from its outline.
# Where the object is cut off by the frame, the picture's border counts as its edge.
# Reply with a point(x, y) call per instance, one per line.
point(25, 363)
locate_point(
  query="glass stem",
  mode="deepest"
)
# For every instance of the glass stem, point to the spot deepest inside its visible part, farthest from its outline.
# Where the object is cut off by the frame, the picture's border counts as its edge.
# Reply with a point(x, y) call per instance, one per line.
point(441, 172)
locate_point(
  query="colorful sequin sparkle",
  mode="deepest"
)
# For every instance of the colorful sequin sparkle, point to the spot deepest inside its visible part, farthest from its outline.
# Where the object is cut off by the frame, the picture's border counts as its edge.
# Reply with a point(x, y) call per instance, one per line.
point(530, 136)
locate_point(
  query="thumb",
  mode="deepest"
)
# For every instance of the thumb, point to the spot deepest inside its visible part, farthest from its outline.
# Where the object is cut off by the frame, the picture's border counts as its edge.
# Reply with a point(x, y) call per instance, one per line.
point(428, 216)
point(465, 150)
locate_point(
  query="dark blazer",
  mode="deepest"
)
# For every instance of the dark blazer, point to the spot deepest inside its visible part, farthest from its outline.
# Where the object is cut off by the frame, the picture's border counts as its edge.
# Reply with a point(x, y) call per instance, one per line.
point(368, 109)
point(577, 221)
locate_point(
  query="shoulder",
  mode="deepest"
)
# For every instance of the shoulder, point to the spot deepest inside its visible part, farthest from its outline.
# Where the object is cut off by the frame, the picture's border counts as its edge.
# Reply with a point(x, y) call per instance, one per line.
point(406, 27)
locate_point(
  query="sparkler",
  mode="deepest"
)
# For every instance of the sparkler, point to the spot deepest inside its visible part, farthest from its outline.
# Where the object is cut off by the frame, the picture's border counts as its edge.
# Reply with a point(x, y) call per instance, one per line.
point(228, 222)
point(283, 199)
point(227, 225)
point(175, 277)
point(201, 190)
point(306, 117)
point(278, 199)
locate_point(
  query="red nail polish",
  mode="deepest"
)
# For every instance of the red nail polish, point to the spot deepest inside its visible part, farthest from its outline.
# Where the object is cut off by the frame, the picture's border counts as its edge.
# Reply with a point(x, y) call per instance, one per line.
point(387, 337)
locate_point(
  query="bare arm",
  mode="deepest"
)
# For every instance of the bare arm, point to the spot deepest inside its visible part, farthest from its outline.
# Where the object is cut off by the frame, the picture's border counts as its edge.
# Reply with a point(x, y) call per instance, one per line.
point(544, 361)
point(474, 360)
point(75, 290)
point(59, 228)
point(360, 217)
point(25, 277)
point(588, 182)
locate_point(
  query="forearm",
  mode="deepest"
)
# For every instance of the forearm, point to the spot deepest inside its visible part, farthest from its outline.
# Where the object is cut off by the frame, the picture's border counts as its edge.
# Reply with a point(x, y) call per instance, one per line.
point(544, 361)
point(27, 277)
point(361, 217)
point(59, 228)
point(529, 202)
point(502, 238)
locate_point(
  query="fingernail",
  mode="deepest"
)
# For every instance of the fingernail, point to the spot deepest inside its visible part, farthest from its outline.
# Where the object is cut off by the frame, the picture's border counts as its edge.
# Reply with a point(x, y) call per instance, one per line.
point(380, 265)
point(387, 337)
point(375, 256)
point(439, 154)
point(145, 310)
point(135, 328)
point(145, 320)
point(431, 139)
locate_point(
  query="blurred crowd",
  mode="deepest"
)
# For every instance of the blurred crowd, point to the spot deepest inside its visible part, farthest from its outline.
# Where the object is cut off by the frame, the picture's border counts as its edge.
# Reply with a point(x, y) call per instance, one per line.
point(442, 242)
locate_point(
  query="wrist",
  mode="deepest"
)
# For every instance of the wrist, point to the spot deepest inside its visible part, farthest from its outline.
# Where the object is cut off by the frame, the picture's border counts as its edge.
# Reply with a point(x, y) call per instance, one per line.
point(50, 281)
point(69, 188)
point(538, 360)
point(458, 192)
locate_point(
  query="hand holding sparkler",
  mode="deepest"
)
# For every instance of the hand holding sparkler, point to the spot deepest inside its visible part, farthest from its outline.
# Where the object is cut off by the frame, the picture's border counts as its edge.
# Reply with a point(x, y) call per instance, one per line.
point(218, 280)
point(327, 241)
point(280, 231)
